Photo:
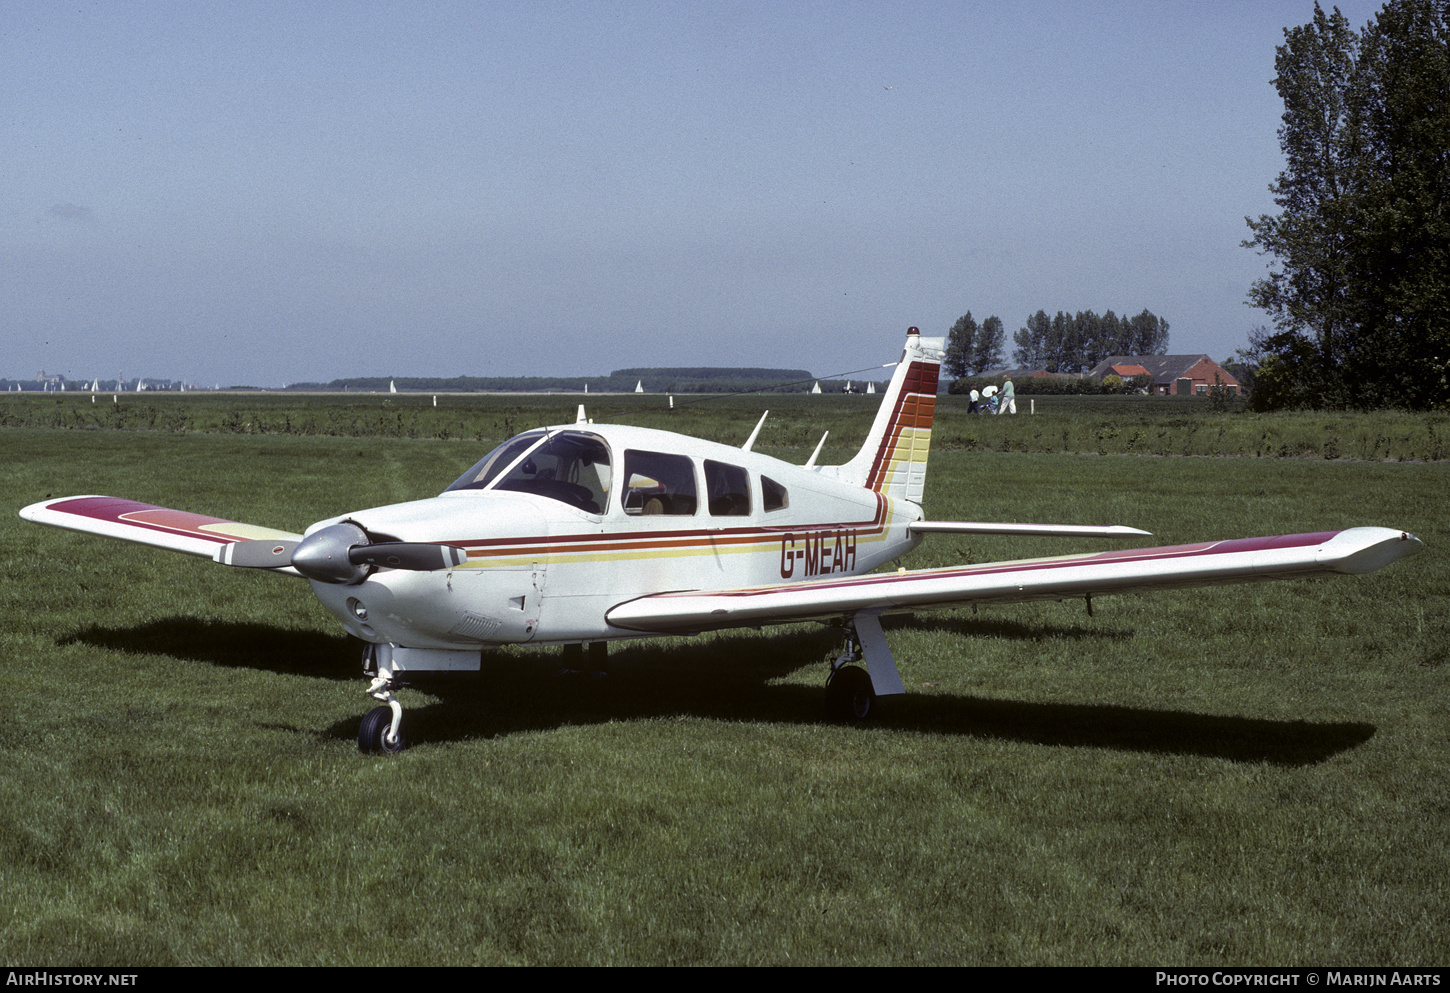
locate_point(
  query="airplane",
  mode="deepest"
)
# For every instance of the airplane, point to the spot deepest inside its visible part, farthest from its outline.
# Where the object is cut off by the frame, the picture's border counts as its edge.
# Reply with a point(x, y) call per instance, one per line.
point(580, 534)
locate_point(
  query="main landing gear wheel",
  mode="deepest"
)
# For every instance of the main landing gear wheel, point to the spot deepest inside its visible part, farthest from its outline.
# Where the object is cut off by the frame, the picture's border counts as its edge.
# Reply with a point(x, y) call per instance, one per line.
point(372, 736)
point(849, 695)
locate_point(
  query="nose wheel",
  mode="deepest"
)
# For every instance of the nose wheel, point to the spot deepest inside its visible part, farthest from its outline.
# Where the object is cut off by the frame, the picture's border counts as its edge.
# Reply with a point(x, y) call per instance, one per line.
point(378, 736)
point(381, 731)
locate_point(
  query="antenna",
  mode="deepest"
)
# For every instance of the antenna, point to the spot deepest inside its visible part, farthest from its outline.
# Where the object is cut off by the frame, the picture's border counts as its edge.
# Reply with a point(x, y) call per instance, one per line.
point(811, 462)
point(754, 434)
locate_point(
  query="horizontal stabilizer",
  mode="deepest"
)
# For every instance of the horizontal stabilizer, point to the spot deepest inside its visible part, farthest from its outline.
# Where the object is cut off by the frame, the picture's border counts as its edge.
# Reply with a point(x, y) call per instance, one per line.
point(1027, 530)
point(1356, 550)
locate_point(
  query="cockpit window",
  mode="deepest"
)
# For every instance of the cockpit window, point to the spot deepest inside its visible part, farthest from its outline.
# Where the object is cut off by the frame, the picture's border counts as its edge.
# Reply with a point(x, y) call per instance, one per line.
point(495, 462)
point(570, 466)
point(657, 483)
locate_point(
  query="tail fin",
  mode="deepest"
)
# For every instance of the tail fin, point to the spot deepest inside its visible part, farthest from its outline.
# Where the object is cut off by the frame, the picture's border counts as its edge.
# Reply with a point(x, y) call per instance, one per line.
point(893, 459)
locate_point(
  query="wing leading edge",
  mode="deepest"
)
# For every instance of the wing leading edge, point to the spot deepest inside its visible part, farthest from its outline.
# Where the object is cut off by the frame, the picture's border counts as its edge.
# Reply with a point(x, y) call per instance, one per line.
point(147, 524)
point(1355, 550)
point(1026, 530)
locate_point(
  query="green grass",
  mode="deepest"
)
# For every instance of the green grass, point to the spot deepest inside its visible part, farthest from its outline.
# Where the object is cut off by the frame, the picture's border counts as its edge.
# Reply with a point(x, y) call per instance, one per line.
point(1105, 425)
point(1245, 775)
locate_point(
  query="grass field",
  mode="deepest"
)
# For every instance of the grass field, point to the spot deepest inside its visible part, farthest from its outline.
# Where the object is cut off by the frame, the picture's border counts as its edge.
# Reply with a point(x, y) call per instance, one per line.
point(1243, 775)
point(1104, 425)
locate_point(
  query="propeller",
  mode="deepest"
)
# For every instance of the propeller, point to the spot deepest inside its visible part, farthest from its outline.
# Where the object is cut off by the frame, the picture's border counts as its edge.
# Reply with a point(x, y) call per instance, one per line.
point(340, 553)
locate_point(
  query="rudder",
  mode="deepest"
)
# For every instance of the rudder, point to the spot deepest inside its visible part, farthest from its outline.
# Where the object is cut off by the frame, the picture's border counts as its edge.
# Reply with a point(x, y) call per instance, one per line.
point(892, 461)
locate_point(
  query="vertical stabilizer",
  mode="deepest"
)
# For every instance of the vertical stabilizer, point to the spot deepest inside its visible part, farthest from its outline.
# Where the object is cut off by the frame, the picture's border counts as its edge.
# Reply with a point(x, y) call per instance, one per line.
point(893, 459)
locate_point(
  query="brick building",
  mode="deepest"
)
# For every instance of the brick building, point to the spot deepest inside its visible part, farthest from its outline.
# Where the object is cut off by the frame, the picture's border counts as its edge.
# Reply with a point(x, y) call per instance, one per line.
point(1170, 375)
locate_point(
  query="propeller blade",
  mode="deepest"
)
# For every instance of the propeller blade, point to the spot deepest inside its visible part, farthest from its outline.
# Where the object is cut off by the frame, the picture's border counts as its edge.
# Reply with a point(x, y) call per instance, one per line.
point(413, 555)
point(262, 553)
point(341, 553)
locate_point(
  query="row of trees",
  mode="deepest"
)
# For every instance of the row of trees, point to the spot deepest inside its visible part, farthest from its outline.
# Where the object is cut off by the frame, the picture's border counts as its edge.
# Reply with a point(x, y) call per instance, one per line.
point(973, 348)
point(1074, 343)
point(655, 380)
point(1358, 290)
point(1066, 343)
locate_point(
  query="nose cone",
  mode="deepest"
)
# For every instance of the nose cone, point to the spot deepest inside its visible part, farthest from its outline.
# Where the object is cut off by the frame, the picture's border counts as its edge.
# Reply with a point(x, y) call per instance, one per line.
point(322, 555)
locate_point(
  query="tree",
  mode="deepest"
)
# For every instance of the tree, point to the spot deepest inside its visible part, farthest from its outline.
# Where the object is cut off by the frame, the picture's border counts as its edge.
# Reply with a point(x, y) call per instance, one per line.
point(1031, 342)
point(961, 346)
point(988, 350)
point(1359, 289)
point(1304, 295)
point(1074, 343)
point(1398, 274)
point(972, 349)
point(1147, 334)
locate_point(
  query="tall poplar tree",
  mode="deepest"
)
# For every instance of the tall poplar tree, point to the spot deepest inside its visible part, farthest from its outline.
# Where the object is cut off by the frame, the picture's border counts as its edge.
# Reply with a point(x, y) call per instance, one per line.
point(1359, 285)
point(1031, 342)
point(987, 352)
point(1398, 276)
point(961, 346)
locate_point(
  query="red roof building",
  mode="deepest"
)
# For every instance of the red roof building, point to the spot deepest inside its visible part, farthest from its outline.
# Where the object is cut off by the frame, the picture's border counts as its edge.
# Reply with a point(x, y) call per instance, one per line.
point(1170, 375)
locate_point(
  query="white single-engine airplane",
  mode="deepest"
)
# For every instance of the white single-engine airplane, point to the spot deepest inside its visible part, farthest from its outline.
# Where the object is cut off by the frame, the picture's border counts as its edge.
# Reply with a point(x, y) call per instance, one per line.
point(579, 534)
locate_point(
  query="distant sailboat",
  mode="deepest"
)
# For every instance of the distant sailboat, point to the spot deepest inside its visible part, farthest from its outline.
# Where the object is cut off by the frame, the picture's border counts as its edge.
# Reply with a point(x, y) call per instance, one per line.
point(392, 386)
point(817, 387)
point(639, 386)
point(870, 387)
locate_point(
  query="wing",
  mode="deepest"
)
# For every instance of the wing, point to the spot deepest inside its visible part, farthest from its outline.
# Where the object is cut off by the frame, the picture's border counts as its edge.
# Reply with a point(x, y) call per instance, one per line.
point(1026, 530)
point(160, 527)
point(1356, 550)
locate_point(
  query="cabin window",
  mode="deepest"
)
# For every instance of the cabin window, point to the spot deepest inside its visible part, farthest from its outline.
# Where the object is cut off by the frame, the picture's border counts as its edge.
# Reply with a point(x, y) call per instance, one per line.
point(773, 495)
point(659, 484)
point(728, 487)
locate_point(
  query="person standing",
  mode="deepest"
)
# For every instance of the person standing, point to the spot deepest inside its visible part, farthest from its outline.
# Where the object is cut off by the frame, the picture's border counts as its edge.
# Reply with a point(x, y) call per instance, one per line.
point(1009, 398)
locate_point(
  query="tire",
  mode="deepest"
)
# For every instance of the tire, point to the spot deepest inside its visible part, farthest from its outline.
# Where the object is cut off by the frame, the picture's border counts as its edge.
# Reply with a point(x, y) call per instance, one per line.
point(371, 736)
point(849, 695)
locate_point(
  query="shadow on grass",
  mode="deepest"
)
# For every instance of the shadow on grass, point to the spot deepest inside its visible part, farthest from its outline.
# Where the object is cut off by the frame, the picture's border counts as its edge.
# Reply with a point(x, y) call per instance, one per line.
point(1132, 729)
point(972, 626)
point(251, 645)
point(725, 678)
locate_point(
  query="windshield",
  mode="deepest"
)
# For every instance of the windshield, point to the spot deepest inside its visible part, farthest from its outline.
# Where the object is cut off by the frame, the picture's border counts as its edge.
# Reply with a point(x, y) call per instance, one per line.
point(570, 466)
point(496, 461)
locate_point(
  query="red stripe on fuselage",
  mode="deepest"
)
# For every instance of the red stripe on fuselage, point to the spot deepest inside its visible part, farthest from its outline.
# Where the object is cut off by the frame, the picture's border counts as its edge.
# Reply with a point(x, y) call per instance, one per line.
point(660, 540)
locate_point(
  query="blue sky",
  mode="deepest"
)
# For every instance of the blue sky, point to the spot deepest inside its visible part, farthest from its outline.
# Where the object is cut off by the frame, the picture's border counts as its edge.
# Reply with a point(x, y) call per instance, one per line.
point(267, 193)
